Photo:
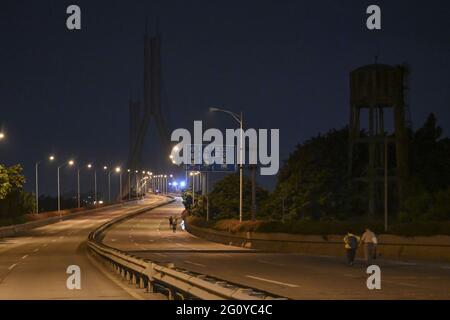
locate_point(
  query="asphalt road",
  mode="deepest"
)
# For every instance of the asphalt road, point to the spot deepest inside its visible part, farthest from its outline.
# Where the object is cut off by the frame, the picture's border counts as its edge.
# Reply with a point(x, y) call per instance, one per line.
point(33, 266)
point(289, 275)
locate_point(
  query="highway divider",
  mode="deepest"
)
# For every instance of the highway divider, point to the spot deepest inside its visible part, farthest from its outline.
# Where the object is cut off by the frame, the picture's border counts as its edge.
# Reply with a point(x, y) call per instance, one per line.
point(176, 283)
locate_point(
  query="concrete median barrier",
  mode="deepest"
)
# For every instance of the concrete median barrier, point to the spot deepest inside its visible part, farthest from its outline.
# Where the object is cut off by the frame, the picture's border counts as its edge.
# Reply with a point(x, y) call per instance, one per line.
point(435, 248)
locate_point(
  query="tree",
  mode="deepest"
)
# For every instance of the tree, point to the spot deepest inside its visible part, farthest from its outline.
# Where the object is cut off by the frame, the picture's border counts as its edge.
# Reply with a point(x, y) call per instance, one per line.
point(11, 179)
point(314, 180)
point(430, 156)
point(14, 201)
point(224, 198)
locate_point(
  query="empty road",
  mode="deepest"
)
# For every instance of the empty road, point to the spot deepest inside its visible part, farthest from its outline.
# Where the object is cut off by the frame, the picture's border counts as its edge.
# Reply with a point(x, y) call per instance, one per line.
point(290, 275)
point(33, 266)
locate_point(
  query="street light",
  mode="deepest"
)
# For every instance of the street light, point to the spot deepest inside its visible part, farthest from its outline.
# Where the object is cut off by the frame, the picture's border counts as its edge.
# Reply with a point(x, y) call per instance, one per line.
point(51, 158)
point(109, 183)
point(239, 119)
point(129, 184)
point(2, 136)
point(69, 163)
point(118, 170)
point(90, 166)
point(193, 174)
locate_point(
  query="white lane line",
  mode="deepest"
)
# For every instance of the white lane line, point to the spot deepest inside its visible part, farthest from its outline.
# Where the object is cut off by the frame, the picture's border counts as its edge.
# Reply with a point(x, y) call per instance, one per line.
point(53, 240)
point(179, 244)
point(161, 254)
point(61, 237)
point(405, 263)
point(401, 284)
point(36, 250)
point(12, 266)
point(447, 268)
point(45, 245)
point(273, 281)
point(194, 263)
point(25, 256)
point(271, 263)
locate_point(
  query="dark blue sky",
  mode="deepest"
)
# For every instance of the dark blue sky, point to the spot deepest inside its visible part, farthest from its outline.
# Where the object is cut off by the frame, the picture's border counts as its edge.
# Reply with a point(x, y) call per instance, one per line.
point(284, 63)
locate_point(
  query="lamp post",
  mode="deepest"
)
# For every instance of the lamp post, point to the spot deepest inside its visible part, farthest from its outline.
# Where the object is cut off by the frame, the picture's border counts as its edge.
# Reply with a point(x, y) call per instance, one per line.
point(119, 171)
point(70, 163)
point(193, 174)
point(90, 166)
point(129, 184)
point(239, 119)
point(165, 184)
point(137, 182)
point(51, 158)
point(78, 187)
point(109, 183)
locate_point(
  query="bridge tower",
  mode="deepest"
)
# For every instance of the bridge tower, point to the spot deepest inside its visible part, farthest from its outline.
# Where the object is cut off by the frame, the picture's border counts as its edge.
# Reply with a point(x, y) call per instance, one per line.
point(141, 116)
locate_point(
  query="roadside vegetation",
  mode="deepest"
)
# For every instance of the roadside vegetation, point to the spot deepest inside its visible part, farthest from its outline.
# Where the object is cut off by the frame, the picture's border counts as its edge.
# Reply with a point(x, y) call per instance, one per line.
point(14, 201)
point(313, 194)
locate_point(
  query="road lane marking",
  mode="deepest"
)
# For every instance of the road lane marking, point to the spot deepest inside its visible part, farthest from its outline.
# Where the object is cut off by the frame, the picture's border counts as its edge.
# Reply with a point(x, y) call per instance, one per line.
point(402, 284)
point(272, 263)
point(447, 268)
point(53, 240)
point(36, 250)
point(61, 237)
point(273, 281)
point(161, 254)
point(405, 263)
point(45, 245)
point(194, 263)
point(25, 256)
point(12, 266)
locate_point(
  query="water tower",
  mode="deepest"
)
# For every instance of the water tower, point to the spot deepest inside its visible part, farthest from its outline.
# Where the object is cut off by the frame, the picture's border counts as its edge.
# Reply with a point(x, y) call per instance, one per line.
point(377, 92)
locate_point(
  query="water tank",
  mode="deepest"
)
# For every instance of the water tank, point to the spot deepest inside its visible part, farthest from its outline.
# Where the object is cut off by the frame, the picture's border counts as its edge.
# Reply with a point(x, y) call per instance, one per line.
point(377, 85)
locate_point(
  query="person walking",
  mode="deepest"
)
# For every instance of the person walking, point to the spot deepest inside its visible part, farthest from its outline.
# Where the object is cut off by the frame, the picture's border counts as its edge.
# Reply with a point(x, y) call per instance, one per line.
point(351, 245)
point(174, 225)
point(170, 221)
point(369, 240)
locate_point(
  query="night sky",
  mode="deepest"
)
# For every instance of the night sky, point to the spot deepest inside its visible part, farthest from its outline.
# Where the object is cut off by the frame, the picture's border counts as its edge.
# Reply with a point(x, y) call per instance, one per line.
point(285, 64)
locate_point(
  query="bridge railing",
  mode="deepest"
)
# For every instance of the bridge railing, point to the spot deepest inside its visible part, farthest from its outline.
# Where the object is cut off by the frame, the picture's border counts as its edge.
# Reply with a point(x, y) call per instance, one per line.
point(174, 282)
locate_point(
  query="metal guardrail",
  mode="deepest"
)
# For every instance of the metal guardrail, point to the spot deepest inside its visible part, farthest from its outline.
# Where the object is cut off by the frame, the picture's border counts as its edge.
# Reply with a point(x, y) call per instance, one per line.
point(176, 283)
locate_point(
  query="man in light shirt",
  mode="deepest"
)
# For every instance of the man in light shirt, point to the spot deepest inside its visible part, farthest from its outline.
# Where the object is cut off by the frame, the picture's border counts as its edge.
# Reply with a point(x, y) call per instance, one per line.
point(370, 241)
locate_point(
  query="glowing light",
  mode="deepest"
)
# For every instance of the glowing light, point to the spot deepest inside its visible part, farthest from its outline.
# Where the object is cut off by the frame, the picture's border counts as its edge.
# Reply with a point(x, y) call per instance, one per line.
point(71, 162)
point(105, 168)
point(183, 184)
point(89, 165)
point(118, 169)
point(2, 136)
point(51, 158)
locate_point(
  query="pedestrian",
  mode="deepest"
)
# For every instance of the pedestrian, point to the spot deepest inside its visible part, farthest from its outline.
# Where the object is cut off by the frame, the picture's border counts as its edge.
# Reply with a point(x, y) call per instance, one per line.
point(170, 221)
point(351, 244)
point(369, 240)
point(174, 225)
